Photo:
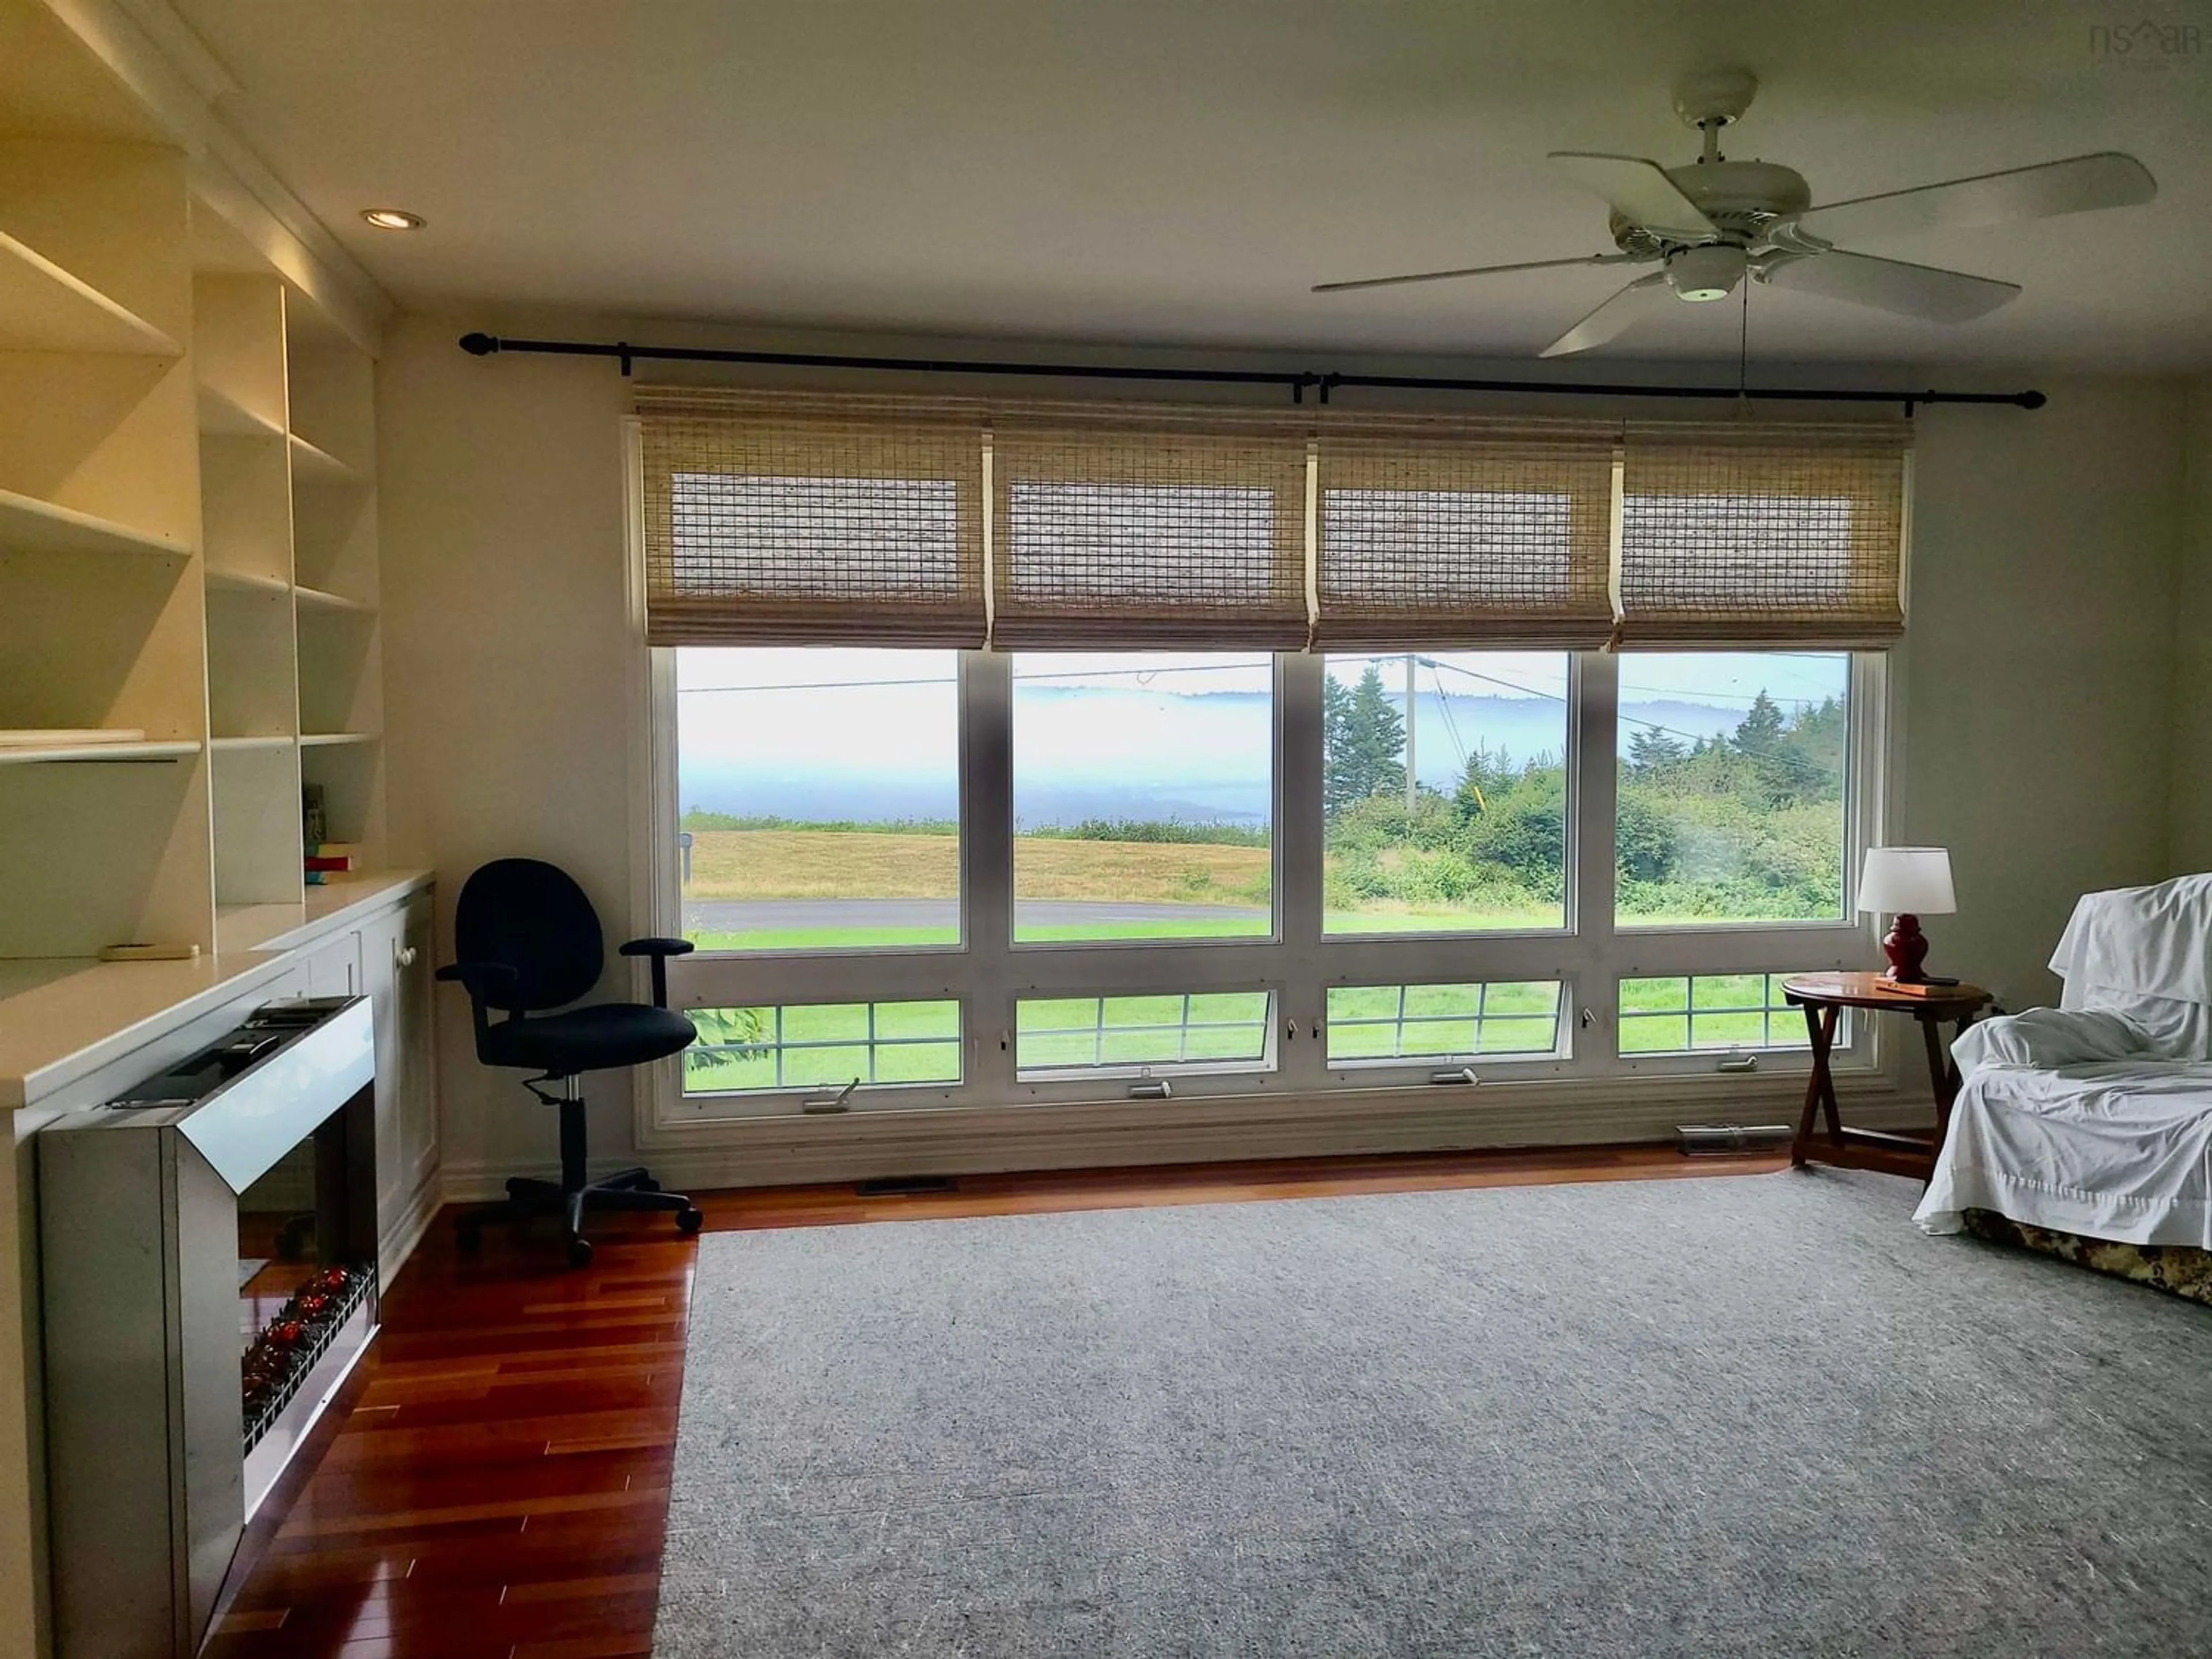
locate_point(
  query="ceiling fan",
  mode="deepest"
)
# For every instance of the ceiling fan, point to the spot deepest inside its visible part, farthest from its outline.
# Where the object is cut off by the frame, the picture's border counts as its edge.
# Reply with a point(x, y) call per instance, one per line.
point(1714, 221)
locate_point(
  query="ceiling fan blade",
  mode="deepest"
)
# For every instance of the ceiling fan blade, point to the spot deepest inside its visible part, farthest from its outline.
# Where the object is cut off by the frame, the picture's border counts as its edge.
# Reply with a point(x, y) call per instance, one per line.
point(2103, 180)
point(1923, 291)
point(1471, 270)
point(1616, 316)
point(1640, 192)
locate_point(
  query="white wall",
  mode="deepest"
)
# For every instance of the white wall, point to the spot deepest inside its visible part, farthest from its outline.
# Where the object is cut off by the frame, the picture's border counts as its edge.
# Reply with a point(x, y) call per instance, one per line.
point(2037, 677)
point(506, 716)
point(2038, 664)
point(2191, 847)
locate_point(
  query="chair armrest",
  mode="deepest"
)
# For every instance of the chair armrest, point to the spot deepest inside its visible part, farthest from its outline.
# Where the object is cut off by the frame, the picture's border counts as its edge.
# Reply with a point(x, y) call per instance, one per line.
point(487, 982)
point(659, 949)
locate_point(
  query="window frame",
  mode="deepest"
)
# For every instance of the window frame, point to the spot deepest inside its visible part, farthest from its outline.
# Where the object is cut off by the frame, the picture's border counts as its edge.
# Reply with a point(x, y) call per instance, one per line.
point(988, 973)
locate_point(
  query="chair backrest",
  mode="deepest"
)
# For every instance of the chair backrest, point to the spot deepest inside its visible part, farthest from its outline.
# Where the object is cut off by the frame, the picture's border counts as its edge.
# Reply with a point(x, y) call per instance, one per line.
point(531, 916)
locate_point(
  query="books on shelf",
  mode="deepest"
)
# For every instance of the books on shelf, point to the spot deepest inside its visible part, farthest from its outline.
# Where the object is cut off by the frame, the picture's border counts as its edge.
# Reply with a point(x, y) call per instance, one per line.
point(331, 858)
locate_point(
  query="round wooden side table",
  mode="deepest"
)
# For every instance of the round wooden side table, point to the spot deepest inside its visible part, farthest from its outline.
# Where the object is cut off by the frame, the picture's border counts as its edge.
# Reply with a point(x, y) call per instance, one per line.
point(1823, 997)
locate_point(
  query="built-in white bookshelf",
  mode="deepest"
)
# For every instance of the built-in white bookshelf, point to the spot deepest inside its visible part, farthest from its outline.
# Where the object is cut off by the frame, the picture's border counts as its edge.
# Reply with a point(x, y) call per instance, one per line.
point(187, 543)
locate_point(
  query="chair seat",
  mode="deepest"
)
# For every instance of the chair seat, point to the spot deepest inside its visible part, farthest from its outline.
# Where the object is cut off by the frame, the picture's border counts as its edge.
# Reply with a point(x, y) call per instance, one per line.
point(594, 1039)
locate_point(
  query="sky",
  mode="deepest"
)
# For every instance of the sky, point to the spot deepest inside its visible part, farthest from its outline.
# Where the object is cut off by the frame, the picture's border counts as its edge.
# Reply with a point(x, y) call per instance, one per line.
point(817, 733)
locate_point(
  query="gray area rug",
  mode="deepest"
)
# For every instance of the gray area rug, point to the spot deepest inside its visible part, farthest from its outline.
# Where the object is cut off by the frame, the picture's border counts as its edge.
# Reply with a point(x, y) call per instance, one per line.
point(1755, 1415)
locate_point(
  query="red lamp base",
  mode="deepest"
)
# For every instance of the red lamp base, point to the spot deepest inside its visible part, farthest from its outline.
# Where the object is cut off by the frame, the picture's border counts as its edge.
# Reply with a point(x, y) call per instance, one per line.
point(1906, 947)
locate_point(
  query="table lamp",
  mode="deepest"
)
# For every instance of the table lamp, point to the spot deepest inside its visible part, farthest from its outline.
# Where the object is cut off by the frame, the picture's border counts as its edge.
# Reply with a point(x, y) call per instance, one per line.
point(1908, 883)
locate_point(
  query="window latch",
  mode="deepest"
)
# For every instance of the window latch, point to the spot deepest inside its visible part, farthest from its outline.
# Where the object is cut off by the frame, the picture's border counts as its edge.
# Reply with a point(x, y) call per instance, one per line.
point(1738, 1063)
point(1465, 1075)
point(840, 1102)
point(1588, 1019)
point(1152, 1088)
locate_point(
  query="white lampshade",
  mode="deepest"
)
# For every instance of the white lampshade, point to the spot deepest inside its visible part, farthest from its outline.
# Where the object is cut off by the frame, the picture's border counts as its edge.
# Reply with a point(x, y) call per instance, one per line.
point(1907, 881)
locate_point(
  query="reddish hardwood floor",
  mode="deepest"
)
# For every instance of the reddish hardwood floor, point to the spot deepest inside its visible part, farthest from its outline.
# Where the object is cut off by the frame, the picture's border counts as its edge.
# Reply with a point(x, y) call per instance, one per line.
point(496, 1485)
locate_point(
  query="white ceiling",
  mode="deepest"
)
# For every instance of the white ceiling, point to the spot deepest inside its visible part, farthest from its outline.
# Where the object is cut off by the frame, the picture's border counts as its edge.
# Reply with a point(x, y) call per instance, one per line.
point(1179, 173)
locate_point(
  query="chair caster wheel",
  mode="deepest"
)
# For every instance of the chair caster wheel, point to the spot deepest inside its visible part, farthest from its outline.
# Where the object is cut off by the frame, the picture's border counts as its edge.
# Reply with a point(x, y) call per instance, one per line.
point(468, 1239)
point(688, 1220)
point(580, 1252)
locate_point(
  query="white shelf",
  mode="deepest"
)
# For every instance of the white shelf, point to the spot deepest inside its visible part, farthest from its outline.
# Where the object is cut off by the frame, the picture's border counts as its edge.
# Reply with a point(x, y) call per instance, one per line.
point(245, 581)
point(30, 526)
point(223, 416)
point(250, 926)
point(322, 601)
point(43, 308)
point(330, 739)
point(314, 464)
point(274, 740)
point(101, 752)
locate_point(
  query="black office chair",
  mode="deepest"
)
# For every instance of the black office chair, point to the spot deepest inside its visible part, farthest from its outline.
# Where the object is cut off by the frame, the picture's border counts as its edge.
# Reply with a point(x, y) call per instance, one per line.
point(529, 940)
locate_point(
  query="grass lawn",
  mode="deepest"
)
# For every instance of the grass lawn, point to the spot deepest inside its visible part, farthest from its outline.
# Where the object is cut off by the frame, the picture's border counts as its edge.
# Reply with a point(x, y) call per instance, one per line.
point(1679, 1013)
point(1439, 1020)
point(1051, 1032)
point(828, 1045)
point(1352, 922)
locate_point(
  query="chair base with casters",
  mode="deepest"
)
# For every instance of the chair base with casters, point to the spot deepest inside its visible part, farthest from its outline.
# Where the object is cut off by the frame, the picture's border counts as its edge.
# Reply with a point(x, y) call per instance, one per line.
point(529, 943)
point(576, 1194)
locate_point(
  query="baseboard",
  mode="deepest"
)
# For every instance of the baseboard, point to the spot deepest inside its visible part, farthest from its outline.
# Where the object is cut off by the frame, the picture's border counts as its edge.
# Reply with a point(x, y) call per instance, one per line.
point(404, 1233)
point(784, 1151)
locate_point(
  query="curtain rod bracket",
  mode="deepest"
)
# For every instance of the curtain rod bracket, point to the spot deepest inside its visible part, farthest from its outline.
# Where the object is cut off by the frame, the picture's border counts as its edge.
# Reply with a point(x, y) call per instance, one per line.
point(479, 344)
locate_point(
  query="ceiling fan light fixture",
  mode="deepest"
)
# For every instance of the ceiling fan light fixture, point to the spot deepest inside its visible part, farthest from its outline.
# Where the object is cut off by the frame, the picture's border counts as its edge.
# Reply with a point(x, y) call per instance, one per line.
point(1709, 273)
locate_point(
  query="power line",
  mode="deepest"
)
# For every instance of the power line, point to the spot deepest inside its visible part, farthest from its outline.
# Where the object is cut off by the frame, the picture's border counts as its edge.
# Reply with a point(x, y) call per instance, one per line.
point(1432, 664)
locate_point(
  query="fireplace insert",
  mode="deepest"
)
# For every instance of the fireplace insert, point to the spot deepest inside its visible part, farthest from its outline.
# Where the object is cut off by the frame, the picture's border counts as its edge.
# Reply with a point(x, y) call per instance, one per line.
point(208, 1252)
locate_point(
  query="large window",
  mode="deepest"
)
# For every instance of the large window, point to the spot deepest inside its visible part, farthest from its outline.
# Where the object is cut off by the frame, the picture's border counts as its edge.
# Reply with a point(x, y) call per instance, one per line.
point(820, 799)
point(1734, 804)
point(1444, 792)
point(1202, 868)
point(1144, 796)
point(1026, 753)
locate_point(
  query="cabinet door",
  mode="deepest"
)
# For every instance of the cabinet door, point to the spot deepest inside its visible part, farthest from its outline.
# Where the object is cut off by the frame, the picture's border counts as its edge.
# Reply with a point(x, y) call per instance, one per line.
point(414, 996)
point(396, 947)
point(381, 941)
point(334, 968)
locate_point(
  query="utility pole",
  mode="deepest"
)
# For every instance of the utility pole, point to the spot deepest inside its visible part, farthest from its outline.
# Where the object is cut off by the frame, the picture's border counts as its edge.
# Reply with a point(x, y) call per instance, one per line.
point(1410, 723)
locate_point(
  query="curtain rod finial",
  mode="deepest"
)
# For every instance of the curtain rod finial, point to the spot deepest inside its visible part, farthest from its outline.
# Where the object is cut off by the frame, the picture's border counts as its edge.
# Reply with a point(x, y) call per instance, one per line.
point(479, 344)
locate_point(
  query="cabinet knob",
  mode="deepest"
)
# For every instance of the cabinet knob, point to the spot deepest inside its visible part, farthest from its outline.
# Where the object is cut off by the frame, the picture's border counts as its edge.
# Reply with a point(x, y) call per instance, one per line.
point(406, 955)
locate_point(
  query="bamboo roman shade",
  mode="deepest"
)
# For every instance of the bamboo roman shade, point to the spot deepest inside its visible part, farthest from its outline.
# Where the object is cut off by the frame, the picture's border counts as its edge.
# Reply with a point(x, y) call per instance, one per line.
point(802, 519)
point(1447, 532)
point(783, 520)
point(1747, 535)
point(1120, 526)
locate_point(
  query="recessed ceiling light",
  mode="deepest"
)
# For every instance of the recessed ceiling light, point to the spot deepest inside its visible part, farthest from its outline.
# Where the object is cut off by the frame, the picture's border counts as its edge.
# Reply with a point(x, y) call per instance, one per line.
point(392, 218)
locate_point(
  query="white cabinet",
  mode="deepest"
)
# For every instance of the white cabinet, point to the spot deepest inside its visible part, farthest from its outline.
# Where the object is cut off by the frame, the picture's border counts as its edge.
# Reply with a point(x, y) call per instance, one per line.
point(387, 957)
point(395, 954)
point(333, 966)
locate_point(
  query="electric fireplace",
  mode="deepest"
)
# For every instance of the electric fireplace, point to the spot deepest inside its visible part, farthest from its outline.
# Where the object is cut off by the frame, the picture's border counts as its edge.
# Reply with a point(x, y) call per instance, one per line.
point(207, 1253)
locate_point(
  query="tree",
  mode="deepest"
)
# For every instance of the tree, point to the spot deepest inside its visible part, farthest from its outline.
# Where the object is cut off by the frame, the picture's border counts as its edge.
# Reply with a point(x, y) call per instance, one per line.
point(1364, 743)
point(1653, 753)
point(1336, 780)
point(1645, 839)
point(1785, 769)
point(1760, 733)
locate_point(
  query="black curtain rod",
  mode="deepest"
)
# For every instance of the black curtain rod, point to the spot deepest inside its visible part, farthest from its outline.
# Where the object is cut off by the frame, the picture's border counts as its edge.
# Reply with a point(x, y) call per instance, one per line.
point(484, 345)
